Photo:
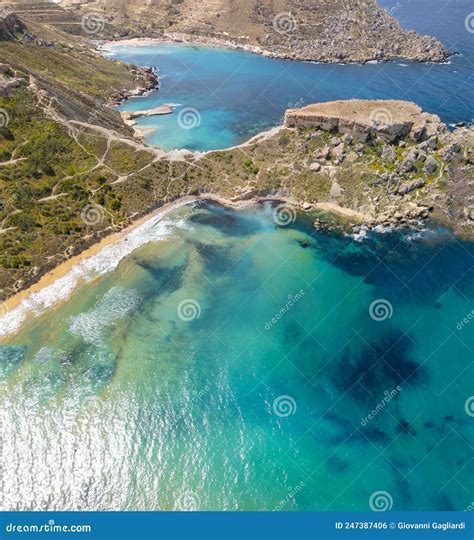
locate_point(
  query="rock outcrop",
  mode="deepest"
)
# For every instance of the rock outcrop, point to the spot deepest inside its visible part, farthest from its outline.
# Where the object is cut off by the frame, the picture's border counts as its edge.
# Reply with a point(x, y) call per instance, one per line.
point(10, 24)
point(8, 81)
point(388, 120)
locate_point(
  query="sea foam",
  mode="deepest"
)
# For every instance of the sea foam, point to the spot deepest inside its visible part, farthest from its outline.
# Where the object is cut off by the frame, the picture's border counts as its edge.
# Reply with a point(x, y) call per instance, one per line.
point(106, 260)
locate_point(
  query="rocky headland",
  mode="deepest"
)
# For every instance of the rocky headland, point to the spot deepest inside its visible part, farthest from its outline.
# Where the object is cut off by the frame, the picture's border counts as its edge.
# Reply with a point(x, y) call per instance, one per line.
point(414, 159)
point(330, 31)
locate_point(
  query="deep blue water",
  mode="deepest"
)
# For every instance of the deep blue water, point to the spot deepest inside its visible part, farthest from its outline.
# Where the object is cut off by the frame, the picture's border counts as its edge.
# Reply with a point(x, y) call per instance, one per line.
point(238, 94)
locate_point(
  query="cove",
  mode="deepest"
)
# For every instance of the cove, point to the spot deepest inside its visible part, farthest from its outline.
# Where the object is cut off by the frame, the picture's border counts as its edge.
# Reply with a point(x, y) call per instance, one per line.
point(234, 94)
point(234, 364)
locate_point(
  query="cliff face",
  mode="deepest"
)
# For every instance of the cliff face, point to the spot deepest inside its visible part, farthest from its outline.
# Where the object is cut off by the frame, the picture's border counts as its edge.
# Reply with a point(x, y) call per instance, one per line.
point(387, 120)
point(323, 30)
point(10, 24)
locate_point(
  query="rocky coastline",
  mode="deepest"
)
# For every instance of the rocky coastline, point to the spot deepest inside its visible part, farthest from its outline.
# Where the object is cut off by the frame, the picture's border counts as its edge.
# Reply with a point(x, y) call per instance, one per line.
point(355, 165)
point(437, 55)
point(147, 79)
point(328, 31)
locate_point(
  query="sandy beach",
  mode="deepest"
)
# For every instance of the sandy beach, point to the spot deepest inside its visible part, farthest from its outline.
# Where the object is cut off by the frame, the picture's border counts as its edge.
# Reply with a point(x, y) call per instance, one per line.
point(44, 294)
point(27, 301)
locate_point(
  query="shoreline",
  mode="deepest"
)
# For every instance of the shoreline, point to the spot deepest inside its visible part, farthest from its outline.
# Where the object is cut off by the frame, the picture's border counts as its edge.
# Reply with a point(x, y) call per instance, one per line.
point(192, 40)
point(34, 300)
point(29, 300)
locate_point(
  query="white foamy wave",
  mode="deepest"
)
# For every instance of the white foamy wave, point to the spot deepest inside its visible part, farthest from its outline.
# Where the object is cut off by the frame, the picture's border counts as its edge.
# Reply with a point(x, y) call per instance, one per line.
point(106, 260)
point(361, 235)
point(45, 355)
point(383, 229)
point(113, 306)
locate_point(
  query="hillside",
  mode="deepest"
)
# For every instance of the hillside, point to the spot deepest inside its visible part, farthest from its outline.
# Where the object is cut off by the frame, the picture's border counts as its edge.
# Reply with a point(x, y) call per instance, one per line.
point(65, 184)
point(71, 171)
point(322, 30)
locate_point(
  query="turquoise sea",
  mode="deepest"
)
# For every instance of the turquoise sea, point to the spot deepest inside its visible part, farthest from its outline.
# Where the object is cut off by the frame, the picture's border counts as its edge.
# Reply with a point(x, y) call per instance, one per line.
point(242, 365)
point(235, 360)
point(224, 97)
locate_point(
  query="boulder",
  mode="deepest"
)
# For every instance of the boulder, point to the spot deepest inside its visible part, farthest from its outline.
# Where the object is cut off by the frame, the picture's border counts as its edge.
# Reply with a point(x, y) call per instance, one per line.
point(411, 186)
point(338, 152)
point(431, 165)
point(407, 165)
